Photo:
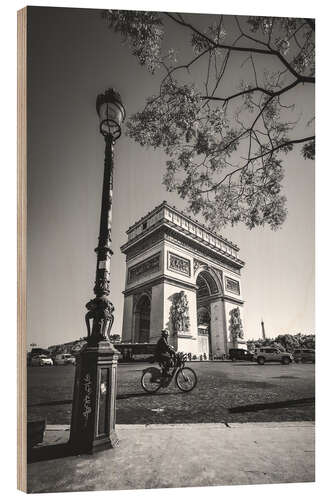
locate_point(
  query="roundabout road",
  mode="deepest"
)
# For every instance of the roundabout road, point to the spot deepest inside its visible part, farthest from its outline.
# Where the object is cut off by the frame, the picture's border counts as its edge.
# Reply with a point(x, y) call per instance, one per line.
point(226, 392)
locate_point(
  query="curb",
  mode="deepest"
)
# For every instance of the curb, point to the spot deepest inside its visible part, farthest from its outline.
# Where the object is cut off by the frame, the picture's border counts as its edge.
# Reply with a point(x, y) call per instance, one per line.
point(231, 425)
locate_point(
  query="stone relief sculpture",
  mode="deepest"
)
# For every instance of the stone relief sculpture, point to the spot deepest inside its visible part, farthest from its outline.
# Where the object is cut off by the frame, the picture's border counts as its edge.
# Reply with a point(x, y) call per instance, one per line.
point(179, 264)
point(148, 266)
point(236, 326)
point(197, 263)
point(180, 313)
point(232, 285)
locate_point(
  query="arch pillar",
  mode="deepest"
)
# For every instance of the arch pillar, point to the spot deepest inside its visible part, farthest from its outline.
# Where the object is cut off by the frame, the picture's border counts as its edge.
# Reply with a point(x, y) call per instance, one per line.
point(128, 317)
point(157, 312)
point(219, 332)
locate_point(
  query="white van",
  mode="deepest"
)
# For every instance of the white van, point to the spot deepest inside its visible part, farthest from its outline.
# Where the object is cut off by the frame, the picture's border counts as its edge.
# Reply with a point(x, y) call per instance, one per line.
point(64, 359)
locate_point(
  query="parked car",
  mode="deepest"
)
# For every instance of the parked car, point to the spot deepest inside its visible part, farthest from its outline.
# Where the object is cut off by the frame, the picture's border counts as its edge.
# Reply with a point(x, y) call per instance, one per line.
point(35, 352)
point(64, 359)
point(304, 355)
point(41, 360)
point(240, 354)
point(263, 355)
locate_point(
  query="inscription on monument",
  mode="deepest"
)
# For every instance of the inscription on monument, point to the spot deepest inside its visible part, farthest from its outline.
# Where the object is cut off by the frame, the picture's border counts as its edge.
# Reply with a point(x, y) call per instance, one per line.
point(232, 285)
point(148, 266)
point(179, 264)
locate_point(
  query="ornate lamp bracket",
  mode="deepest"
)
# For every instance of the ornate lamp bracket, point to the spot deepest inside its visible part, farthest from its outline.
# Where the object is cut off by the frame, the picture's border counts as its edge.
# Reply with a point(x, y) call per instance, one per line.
point(99, 319)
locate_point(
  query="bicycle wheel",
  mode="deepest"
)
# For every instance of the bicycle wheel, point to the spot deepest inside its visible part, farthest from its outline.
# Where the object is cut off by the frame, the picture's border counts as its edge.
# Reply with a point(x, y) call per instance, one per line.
point(186, 379)
point(151, 380)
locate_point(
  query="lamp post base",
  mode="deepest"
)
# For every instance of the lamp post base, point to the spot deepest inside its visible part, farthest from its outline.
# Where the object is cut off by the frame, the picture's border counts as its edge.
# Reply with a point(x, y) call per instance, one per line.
point(94, 401)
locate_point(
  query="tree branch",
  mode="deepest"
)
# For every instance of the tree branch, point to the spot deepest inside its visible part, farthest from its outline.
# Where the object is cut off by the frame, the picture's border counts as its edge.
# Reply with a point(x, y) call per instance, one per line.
point(268, 51)
point(254, 89)
point(254, 158)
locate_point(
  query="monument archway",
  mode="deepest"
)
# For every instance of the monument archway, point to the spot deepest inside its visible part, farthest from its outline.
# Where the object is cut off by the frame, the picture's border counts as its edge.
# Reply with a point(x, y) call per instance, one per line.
point(142, 319)
point(183, 277)
point(208, 292)
point(204, 333)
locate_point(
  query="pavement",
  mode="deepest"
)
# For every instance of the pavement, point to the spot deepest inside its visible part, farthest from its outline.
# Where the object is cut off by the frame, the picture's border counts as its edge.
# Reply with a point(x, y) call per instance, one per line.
point(179, 455)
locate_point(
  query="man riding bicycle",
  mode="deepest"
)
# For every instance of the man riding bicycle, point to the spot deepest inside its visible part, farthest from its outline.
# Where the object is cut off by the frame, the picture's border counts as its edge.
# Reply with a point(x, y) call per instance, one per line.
point(164, 353)
point(172, 368)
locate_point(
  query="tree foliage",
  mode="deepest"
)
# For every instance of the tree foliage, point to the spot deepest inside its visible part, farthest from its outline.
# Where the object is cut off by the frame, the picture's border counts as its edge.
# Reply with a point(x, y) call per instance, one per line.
point(286, 342)
point(226, 137)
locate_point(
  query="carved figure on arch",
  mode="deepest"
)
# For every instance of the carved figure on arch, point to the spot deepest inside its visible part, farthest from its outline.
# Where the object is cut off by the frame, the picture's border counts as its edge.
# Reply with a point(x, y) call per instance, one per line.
point(180, 313)
point(235, 323)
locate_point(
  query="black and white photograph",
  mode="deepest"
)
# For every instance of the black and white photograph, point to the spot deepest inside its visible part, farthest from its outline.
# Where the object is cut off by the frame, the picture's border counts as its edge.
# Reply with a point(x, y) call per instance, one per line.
point(170, 249)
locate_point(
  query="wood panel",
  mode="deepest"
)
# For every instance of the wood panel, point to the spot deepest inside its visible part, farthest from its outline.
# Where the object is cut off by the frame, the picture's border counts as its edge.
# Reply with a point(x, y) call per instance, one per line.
point(21, 249)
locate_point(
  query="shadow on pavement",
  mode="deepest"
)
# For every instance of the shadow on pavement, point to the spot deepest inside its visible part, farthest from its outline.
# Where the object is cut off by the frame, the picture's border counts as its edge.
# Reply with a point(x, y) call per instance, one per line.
point(52, 403)
point(142, 394)
point(119, 396)
point(254, 364)
point(267, 406)
point(49, 452)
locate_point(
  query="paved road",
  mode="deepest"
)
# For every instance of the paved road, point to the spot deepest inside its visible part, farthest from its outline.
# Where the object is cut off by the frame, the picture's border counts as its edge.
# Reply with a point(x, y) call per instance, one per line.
point(226, 392)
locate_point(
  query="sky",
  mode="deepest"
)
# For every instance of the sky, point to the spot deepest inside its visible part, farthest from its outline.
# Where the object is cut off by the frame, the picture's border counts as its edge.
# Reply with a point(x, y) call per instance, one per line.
point(72, 57)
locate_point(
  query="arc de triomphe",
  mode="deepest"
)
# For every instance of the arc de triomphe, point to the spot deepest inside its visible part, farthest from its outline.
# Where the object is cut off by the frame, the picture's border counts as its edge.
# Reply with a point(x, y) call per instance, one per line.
point(183, 277)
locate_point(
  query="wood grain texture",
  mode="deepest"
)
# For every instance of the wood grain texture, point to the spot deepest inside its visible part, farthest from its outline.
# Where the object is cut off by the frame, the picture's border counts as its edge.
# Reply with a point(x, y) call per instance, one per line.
point(21, 249)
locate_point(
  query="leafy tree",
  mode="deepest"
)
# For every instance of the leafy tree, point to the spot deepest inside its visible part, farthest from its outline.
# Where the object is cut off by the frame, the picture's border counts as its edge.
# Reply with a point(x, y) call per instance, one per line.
point(308, 341)
point(285, 342)
point(226, 136)
point(265, 343)
point(289, 342)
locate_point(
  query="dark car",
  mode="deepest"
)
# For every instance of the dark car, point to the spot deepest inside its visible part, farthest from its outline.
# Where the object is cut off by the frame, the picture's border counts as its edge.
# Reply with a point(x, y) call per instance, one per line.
point(304, 355)
point(240, 355)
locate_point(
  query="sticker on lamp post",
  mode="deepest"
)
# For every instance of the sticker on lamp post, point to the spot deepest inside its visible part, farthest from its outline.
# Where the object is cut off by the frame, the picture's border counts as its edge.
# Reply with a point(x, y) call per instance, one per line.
point(103, 264)
point(87, 399)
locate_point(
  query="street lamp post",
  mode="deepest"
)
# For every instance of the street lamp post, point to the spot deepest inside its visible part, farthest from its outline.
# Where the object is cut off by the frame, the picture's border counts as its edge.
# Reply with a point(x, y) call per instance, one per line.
point(94, 399)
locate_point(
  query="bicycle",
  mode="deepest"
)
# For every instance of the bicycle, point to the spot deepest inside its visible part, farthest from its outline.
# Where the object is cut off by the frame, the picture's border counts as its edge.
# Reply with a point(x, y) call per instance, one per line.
point(154, 378)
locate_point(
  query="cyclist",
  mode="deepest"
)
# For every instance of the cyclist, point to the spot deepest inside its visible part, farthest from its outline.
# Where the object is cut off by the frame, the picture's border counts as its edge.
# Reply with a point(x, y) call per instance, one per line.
point(164, 353)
